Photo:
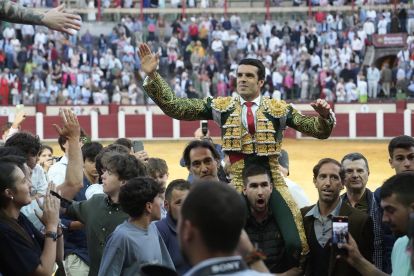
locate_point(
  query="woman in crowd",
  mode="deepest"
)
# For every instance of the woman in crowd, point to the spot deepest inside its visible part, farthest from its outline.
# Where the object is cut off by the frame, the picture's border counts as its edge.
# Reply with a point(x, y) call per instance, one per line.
point(24, 249)
point(45, 159)
point(16, 90)
point(4, 90)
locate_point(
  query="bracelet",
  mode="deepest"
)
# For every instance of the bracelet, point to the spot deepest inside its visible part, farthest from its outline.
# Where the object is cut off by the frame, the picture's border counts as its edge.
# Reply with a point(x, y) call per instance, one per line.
point(254, 256)
point(58, 236)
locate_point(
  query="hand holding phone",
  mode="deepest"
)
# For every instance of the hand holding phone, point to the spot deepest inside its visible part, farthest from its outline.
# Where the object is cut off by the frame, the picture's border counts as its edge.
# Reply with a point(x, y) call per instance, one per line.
point(339, 234)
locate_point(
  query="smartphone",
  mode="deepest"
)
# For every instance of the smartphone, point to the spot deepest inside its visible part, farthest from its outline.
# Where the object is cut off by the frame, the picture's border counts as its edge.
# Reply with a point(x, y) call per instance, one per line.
point(138, 146)
point(19, 108)
point(339, 234)
point(86, 140)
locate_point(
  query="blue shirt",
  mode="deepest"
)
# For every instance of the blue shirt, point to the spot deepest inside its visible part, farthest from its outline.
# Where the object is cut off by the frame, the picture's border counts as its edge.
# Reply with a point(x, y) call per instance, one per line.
point(74, 92)
point(44, 96)
point(75, 240)
point(168, 232)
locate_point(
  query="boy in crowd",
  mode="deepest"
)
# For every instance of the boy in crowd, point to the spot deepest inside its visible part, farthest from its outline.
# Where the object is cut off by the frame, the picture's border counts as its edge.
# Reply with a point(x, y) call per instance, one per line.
point(76, 249)
point(101, 214)
point(157, 169)
point(136, 242)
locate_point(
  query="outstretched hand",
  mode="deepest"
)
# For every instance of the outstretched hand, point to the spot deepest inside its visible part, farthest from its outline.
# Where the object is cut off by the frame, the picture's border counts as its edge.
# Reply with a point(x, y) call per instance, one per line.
point(71, 128)
point(57, 20)
point(149, 62)
point(321, 107)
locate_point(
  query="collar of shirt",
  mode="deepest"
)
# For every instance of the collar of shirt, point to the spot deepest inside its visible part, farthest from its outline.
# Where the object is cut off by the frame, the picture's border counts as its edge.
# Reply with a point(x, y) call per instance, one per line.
point(256, 101)
point(361, 205)
point(110, 203)
point(317, 215)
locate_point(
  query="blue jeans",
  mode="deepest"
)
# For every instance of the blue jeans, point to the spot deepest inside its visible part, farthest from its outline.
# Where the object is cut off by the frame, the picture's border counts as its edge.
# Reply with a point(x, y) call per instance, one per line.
point(88, 47)
point(73, 39)
point(319, 27)
point(402, 22)
point(217, 55)
point(10, 61)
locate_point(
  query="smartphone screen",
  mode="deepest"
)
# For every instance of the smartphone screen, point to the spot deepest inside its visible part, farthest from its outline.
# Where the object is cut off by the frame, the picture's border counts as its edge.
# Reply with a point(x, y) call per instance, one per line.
point(19, 108)
point(86, 140)
point(138, 146)
point(339, 234)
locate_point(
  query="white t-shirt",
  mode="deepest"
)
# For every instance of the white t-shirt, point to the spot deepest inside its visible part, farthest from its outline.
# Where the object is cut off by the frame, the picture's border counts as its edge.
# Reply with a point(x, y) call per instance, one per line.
point(298, 193)
point(57, 172)
point(93, 189)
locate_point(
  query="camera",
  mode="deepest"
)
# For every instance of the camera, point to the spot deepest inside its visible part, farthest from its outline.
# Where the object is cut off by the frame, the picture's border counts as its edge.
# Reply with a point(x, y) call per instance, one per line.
point(57, 158)
point(204, 129)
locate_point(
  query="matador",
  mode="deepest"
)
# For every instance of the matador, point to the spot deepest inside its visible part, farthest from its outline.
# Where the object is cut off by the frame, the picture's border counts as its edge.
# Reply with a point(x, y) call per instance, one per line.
point(252, 129)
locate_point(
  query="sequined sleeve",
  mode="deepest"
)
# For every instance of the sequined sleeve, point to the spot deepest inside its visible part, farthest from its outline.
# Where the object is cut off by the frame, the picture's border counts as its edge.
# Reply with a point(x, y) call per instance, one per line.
point(177, 108)
point(317, 127)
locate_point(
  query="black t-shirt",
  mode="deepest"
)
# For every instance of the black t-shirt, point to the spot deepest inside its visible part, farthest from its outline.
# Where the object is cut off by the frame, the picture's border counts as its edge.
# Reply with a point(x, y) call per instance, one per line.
point(16, 256)
point(58, 80)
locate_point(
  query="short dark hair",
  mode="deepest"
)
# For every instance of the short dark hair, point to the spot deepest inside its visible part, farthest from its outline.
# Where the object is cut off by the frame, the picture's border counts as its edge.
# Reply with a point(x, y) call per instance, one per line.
point(207, 208)
point(402, 186)
point(261, 71)
point(26, 142)
point(62, 140)
point(7, 151)
point(16, 160)
point(327, 161)
point(178, 184)
point(135, 194)
point(402, 142)
point(156, 165)
point(125, 142)
point(44, 147)
point(355, 156)
point(111, 147)
point(127, 166)
point(254, 169)
point(199, 144)
point(90, 150)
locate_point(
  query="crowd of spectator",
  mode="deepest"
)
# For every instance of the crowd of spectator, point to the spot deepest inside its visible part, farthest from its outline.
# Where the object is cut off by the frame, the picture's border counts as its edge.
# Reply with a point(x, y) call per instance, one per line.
point(304, 59)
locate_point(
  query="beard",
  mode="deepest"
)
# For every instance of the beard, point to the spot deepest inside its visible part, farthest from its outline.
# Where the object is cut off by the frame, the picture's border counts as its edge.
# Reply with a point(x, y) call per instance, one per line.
point(172, 218)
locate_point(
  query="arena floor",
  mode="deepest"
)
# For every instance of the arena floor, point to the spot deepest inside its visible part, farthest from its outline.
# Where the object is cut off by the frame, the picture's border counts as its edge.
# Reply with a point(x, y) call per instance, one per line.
point(303, 155)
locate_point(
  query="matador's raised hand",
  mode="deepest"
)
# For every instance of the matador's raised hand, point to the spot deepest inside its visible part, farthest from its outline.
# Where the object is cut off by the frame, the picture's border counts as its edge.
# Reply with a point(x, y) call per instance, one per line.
point(322, 107)
point(149, 62)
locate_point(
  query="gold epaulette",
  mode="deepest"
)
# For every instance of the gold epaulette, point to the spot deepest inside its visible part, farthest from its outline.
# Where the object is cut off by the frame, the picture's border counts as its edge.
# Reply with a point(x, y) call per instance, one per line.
point(223, 104)
point(275, 107)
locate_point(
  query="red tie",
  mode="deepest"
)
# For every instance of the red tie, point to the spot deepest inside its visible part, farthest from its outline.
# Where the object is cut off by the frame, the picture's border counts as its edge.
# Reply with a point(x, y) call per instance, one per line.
point(250, 117)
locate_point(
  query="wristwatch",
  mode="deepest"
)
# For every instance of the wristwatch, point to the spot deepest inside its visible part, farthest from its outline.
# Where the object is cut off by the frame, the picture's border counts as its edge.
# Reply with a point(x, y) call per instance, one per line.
point(50, 234)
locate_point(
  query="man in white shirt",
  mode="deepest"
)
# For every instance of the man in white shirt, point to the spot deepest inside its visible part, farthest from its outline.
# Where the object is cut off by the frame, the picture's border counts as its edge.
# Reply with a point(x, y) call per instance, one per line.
point(356, 46)
point(57, 172)
point(217, 47)
point(9, 31)
point(40, 37)
point(369, 29)
point(373, 77)
point(372, 14)
point(242, 42)
point(234, 17)
point(404, 57)
point(273, 42)
point(315, 60)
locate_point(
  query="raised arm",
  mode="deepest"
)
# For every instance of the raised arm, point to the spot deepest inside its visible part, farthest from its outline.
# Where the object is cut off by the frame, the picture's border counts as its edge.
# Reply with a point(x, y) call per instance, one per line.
point(74, 171)
point(54, 19)
point(160, 92)
point(319, 127)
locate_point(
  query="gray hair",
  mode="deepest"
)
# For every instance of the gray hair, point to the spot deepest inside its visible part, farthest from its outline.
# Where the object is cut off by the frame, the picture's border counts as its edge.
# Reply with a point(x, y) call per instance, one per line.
point(355, 156)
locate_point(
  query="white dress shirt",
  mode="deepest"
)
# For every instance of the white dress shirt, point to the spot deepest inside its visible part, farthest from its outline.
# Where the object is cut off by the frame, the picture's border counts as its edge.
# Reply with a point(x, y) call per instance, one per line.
point(254, 108)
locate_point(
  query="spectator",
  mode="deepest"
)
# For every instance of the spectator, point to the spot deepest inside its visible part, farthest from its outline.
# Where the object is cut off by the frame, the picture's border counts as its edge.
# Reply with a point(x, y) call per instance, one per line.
point(373, 77)
point(329, 179)
point(102, 214)
point(140, 199)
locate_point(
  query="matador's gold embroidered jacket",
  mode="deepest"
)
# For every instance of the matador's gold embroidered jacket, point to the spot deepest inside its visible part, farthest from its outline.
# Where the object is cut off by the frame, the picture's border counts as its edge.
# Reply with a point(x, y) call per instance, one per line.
point(263, 147)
